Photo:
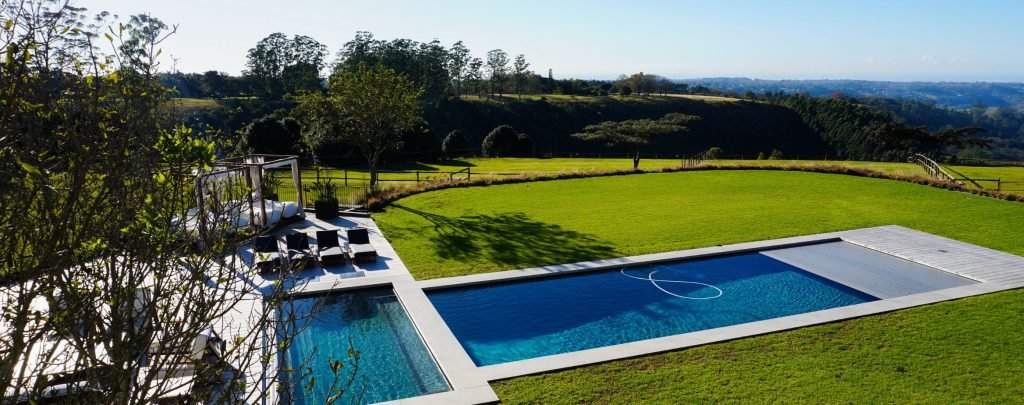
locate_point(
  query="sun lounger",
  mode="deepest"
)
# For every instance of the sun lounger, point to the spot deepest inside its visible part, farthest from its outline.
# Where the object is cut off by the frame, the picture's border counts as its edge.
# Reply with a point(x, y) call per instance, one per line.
point(267, 255)
point(329, 248)
point(299, 253)
point(359, 246)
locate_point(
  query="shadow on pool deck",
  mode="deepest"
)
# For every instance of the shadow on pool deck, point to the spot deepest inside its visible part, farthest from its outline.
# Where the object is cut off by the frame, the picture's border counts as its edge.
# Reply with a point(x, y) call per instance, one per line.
point(511, 239)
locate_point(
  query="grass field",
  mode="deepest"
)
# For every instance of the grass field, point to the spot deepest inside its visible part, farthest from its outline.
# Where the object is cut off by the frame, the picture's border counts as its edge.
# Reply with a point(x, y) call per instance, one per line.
point(358, 176)
point(196, 103)
point(965, 351)
point(481, 229)
point(1011, 176)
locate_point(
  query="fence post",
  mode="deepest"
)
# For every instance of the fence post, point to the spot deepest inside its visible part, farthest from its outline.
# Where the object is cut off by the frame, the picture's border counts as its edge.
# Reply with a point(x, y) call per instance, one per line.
point(346, 177)
point(417, 177)
point(469, 173)
point(999, 184)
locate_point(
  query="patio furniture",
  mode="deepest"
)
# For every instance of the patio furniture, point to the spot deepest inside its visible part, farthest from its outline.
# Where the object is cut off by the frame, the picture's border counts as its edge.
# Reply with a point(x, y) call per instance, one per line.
point(299, 253)
point(267, 256)
point(328, 246)
point(359, 246)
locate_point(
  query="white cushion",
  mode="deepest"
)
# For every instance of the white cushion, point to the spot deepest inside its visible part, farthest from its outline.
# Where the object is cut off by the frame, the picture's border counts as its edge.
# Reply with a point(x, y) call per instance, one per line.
point(290, 209)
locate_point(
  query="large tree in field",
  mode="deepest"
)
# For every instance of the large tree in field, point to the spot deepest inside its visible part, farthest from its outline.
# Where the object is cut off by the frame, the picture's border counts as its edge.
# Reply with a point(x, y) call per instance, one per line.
point(369, 108)
point(633, 134)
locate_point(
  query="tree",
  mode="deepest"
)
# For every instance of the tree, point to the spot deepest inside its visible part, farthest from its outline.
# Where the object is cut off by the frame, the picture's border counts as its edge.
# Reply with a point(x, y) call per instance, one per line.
point(101, 275)
point(899, 140)
point(502, 141)
point(300, 58)
point(475, 75)
point(321, 124)
point(368, 108)
point(266, 62)
point(300, 78)
point(215, 84)
point(270, 135)
point(634, 134)
point(454, 144)
point(497, 66)
point(458, 64)
point(425, 64)
point(519, 72)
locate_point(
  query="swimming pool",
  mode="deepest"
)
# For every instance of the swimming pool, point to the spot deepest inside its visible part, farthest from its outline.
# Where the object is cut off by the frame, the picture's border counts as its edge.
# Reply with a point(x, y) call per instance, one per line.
point(393, 361)
point(518, 320)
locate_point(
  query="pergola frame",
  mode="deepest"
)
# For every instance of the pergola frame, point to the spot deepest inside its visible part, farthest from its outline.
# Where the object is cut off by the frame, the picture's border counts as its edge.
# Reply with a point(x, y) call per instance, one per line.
point(252, 167)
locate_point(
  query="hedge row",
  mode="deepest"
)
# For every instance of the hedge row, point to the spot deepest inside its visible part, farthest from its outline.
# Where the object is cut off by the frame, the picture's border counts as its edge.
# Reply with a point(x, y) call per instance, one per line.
point(382, 199)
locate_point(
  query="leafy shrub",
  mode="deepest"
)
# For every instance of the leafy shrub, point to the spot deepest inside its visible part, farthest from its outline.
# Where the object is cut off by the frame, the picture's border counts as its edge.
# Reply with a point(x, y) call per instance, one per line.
point(776, 155)
point(502, 141)
point(454, 144)
point(271, 135)
point(760, 155)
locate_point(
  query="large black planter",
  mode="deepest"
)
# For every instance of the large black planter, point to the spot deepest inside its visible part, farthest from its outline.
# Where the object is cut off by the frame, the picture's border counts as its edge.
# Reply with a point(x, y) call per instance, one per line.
point(326, 210)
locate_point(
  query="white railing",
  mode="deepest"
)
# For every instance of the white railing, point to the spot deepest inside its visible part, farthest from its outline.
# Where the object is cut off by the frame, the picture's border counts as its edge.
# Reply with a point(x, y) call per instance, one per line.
point(932, 168)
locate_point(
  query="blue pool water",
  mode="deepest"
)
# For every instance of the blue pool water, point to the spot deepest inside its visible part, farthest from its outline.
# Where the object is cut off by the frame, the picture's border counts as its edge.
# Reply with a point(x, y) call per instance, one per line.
point(393, 361)
point(505, 322)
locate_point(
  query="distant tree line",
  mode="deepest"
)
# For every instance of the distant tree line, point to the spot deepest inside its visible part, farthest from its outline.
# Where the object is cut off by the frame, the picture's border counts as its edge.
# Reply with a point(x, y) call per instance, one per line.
point(858, 131)
point(278, 66)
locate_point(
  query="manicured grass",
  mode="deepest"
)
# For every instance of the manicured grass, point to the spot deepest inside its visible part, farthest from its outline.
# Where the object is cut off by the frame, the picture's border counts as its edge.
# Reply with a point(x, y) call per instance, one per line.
point(1012, 176)
point(482, 229)
point(967, 351)
point(196, 103)
point(358, 175)
point(970, 350)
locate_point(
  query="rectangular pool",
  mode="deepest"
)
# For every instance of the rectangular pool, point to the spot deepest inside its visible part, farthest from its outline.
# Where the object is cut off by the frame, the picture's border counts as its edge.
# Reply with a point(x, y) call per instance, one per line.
point(394, 363)
point(517, 320)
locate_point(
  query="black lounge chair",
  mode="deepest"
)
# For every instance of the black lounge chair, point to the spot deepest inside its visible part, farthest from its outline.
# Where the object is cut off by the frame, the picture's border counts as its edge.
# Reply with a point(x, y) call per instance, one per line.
point(359, 246)
point(329, 248)
point(299, 253)
point(267, 255)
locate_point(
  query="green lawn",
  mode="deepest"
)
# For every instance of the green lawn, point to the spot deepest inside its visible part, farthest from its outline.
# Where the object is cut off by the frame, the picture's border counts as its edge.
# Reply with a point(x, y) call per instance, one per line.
point(481, 229)
point(358, 175)
point(196, 103)
point(967, 351)
point(1012, 176)
point(970, 350)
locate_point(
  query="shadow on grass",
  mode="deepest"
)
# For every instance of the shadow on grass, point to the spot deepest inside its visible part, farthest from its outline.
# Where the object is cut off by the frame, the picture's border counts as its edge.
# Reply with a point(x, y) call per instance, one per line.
point(512, 240)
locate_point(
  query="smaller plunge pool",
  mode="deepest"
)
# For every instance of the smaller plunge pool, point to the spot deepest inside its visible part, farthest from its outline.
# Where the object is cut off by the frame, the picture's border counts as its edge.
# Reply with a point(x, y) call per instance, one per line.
point(394, 363)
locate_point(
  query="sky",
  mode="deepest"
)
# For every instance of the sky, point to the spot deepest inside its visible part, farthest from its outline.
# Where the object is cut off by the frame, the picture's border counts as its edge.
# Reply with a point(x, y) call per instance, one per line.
point(900, 40)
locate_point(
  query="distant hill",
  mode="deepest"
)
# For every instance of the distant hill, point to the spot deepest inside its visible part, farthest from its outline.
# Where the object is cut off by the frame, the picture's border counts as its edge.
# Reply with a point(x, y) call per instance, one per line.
point(958, 95)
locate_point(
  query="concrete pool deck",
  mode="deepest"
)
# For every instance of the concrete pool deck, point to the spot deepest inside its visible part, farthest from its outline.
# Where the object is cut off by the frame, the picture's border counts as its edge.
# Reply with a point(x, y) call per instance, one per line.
point(991, 270)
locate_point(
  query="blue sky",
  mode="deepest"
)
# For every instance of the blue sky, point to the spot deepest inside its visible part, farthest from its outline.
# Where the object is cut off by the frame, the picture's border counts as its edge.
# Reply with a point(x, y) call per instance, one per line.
point(937, 40)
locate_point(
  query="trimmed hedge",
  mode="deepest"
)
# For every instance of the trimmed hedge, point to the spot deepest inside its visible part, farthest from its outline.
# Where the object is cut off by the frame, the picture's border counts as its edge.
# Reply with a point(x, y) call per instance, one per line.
point(382, 199)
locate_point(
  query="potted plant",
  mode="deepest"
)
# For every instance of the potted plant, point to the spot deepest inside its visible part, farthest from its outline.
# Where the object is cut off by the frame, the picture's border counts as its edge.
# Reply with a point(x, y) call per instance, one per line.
point(270, 185)
point(325, 199)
